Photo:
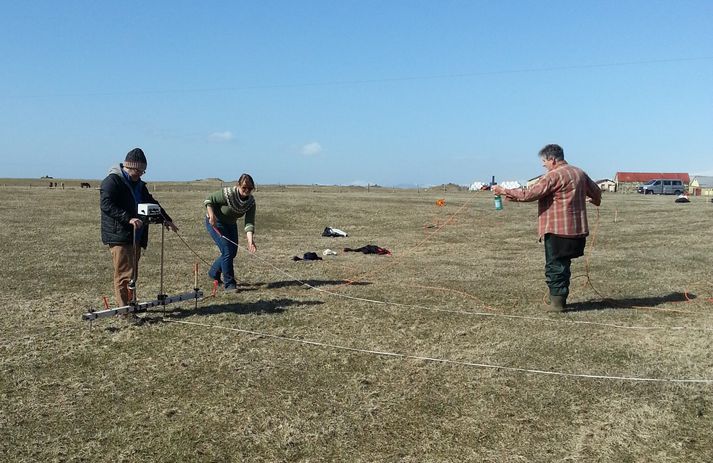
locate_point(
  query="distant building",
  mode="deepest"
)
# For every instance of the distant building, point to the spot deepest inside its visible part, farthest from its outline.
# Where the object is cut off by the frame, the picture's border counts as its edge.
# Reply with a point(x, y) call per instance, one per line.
point(606, 185)
point(477, 186)
point(510, 184)
point(626, 182)
point(701, 185)
point(533, 180)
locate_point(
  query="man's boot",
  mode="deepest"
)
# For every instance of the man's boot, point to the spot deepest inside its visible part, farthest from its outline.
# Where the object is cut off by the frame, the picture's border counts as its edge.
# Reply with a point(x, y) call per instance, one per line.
point(557, 303)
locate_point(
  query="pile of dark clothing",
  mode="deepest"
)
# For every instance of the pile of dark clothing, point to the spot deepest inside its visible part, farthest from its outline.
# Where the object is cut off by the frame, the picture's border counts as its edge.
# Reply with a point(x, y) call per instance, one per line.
point(307, 256)
point(370, 249)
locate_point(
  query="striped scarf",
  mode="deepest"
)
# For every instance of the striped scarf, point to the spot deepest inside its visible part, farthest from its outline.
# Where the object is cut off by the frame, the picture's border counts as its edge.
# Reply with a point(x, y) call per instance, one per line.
point(232, 197)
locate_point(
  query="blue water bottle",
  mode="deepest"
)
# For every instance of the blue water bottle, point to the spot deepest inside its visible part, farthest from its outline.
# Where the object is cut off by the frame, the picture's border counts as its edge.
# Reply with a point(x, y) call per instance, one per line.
point(498, 203)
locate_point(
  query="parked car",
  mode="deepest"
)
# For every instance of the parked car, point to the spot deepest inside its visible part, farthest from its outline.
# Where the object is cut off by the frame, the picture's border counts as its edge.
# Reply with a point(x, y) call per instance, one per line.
point(662, 186)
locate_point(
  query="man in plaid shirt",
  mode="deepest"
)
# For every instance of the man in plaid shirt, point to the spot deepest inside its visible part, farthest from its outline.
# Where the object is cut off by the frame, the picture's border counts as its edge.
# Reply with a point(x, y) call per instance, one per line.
point(561, 196)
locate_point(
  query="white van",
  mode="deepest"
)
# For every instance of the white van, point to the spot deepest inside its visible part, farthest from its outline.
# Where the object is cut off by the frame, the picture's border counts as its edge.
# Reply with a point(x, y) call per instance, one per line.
point(662, 186)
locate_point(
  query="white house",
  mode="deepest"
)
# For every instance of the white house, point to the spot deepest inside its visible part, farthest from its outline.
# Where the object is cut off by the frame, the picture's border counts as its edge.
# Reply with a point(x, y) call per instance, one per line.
point(606, 185)
point(701, 185)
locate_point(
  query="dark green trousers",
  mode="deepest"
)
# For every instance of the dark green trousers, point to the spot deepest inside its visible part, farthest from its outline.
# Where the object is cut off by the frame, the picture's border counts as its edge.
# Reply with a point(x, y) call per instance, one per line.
point(558, 259)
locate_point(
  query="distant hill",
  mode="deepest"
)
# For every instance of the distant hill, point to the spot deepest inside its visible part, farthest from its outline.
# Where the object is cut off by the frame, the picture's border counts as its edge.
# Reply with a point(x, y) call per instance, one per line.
point(448, 186)
point(407, 186)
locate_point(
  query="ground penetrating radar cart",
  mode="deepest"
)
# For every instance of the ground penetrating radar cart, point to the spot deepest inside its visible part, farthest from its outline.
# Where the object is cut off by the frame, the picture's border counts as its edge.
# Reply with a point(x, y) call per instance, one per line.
point(148, 213)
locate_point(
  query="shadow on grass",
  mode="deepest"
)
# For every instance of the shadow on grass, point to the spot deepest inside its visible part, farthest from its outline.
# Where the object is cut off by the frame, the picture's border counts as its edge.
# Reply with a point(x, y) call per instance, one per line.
point(315, 283)
point(149, 318)
point(248, 286)
point(266, 307)
point(289, 283)
point(628, 303)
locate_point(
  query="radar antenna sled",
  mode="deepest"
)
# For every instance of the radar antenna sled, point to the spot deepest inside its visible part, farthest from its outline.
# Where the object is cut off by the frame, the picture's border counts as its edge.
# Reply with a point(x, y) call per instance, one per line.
point(148, 213)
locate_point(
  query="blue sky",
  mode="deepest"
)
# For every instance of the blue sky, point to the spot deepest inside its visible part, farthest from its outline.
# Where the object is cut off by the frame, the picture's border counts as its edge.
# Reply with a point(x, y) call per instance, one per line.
point(339, 92)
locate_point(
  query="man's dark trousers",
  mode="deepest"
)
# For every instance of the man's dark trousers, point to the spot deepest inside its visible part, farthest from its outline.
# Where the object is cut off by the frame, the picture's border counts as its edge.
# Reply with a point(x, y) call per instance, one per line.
point(559, 252)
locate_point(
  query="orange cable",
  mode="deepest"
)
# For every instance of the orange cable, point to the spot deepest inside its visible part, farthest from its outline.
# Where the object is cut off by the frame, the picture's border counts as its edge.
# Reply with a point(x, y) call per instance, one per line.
point(393, 262)
point(439, 288)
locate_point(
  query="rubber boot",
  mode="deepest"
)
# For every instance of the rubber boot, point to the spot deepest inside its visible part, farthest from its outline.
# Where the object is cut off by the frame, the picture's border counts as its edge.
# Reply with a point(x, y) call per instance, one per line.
point(557, 303)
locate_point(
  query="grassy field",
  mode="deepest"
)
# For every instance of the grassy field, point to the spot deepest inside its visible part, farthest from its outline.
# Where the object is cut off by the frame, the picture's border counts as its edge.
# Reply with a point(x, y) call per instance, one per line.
point(188, 385)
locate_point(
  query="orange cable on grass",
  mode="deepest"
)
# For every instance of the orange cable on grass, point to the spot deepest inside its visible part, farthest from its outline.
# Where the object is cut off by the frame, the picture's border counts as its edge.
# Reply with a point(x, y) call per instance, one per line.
point(592, 245)
point(452, 219)
point(393, 262)
point(484, 314)
point(686, 292)
point(589, 283)
point(439, 288)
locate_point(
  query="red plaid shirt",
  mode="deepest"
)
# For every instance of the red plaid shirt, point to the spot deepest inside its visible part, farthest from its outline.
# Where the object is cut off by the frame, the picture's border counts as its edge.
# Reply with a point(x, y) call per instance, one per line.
point(561, 196)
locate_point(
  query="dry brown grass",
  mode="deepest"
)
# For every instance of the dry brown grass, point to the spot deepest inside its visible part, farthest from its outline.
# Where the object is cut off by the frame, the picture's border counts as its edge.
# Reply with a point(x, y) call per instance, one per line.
point(166, 391)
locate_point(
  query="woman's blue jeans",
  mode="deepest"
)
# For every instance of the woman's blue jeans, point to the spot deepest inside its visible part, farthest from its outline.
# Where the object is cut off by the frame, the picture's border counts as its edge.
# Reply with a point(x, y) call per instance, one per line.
point(223, 265)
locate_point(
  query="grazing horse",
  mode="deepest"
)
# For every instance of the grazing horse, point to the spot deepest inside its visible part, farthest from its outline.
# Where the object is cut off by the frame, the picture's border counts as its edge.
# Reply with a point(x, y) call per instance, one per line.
point(85, 185)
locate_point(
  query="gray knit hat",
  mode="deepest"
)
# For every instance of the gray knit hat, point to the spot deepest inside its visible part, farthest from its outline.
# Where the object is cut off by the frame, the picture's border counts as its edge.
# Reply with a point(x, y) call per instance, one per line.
point(135, 159)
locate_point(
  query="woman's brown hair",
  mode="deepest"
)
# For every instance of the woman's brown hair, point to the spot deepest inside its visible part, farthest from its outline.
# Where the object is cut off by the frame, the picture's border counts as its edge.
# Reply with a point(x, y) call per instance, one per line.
point(246, 180)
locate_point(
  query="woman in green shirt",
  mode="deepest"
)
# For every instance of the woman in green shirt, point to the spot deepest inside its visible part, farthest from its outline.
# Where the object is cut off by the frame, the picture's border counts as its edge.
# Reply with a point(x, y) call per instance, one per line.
point(223, 209)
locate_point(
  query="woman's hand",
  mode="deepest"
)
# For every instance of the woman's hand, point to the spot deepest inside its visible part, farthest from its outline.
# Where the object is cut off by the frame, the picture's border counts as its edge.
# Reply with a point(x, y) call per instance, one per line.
point(211, 215)
point(251, 243)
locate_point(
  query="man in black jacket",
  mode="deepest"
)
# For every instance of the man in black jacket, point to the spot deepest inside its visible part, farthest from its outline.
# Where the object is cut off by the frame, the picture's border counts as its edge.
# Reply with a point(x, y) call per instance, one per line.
point(121, 228)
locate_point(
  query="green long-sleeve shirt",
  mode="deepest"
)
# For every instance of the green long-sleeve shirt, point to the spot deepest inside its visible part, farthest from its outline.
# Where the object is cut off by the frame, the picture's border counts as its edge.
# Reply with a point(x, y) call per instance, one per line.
point(228, 207)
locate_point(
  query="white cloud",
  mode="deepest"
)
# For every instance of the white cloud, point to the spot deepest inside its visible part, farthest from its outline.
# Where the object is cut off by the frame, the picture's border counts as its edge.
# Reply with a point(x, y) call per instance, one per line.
point(311, 149)
point(221, 136)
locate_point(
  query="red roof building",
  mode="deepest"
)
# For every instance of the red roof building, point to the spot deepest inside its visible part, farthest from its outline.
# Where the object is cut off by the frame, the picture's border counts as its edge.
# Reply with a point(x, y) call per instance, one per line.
point(643, 177)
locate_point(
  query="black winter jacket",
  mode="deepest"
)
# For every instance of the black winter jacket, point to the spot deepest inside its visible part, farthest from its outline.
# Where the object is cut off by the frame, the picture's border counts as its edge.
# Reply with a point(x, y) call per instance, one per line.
point(118, 207)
